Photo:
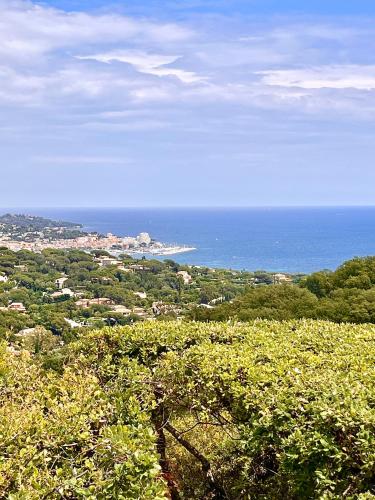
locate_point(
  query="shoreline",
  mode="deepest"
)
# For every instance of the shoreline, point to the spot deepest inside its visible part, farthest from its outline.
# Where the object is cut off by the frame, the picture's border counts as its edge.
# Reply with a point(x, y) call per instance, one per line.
point(158, 252)
point(37, 247)
point(34, 233)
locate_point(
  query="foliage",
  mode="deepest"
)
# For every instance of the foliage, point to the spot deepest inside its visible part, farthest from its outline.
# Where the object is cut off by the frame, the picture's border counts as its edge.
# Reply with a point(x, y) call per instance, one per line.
point(346, 295)
point(279, 302)
point(263, 410)
point(30, 227)
point(31, 280)
point(65, 436)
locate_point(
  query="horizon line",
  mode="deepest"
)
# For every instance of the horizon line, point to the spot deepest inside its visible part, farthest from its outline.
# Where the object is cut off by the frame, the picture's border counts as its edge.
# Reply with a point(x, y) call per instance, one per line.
point(180, 207)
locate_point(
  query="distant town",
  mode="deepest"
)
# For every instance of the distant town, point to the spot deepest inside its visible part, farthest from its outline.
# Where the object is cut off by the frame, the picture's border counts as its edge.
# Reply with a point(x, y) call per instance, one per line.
point(28, 232)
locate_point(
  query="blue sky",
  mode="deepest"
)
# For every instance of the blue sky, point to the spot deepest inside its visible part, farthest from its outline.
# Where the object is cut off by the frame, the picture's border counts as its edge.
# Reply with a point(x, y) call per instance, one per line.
point(187, 103)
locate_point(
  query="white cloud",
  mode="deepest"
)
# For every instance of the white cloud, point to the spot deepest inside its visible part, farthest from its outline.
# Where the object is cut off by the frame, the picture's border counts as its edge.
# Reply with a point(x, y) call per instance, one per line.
point(80, 63)
point(148, 63)
point(359, 77)
point(28, 30)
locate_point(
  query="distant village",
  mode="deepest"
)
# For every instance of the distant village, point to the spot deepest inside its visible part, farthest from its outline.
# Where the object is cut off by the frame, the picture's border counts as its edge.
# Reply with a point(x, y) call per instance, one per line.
point(21, 232)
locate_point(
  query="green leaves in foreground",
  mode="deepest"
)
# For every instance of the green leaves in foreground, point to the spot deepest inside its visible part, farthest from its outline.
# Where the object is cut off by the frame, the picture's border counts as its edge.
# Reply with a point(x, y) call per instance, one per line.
point(278, 410)
point(265, 410)
point(64, 437)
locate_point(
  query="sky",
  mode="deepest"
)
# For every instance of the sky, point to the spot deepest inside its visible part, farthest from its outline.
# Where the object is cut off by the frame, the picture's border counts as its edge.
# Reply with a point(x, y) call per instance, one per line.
point(187, 103)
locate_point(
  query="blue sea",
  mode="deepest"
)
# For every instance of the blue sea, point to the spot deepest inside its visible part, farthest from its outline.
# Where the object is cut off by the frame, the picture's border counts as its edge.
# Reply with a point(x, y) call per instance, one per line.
point(273, 239)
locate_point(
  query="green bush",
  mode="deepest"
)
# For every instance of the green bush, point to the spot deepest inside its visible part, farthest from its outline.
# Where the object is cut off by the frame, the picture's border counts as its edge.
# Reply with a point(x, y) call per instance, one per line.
point(67, 437)
point(263, 410)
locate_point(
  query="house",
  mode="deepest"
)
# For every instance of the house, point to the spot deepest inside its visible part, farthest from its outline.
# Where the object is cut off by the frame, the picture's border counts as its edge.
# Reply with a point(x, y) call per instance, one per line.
point(26, 332)
point(60, 282)
point(108, 261)
point(159, 308)
point(124, 269)
point(73, 324)
point(63, 292)
point(17, 306)
point(82, 303)
point(186, 278)
point(102, 301)
point(138, 267)
point(140, 312)
point(4, 279)
point(121, 310)
point(144, 239)
point(282, 278)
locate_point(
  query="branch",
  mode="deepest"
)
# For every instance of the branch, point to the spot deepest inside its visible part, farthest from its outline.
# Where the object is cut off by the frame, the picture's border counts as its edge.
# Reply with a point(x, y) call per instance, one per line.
point(215, 488)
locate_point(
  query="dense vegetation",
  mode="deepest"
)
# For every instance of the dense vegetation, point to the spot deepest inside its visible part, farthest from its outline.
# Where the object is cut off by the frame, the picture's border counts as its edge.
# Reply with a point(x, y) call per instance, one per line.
point(30, 228)
point(33, 222)
point(65, 436)
point(346, 295)
point(31, 281)
point(178, 409)
point(190, 410)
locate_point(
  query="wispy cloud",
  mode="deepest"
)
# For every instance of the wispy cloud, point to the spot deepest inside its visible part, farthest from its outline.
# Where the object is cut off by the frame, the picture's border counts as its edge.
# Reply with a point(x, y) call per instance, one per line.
point(178, 88)
point(32, 30)
point(148, 63)
point(359, 77)
point(67, 60)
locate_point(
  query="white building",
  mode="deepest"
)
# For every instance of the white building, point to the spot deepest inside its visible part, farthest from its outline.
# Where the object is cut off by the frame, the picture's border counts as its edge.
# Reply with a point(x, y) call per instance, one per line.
point(60, 282)
point(144, 239)
point(62, 292)
point(281, 278)
point(3, 279)
point(108, 261)
point(73, 324)
point(129, 241)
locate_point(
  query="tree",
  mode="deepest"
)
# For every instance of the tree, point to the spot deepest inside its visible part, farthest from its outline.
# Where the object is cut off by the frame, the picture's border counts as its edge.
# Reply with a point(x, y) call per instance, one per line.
point(319, 284)
point(39, 341)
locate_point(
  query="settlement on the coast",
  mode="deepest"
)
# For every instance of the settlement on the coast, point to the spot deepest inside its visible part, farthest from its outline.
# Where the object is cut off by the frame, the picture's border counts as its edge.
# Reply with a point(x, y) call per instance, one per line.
point(56, 237)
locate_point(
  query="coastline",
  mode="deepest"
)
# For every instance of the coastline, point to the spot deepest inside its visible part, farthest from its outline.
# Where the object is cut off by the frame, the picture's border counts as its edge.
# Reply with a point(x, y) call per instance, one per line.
point(160, 251)
point(174, 250)
point(33, 233)
point(290, 240)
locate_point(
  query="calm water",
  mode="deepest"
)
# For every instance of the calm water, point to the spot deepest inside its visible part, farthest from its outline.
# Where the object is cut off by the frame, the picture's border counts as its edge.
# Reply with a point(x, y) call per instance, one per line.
point(275, 239)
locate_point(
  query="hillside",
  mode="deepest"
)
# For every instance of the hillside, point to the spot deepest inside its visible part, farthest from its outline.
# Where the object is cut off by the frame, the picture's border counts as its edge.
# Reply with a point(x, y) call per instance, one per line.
point(344, 295)
point(189, 410)
point(29, 228)
point(34, 222)
point(65, 291)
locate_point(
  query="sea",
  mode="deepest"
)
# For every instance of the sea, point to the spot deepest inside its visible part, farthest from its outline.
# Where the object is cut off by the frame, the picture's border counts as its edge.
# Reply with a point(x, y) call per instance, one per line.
point(292, 240)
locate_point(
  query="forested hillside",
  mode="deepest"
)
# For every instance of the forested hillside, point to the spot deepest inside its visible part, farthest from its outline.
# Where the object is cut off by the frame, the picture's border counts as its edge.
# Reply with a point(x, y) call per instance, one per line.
point(345, 295)
point(67, 291)
point(193, 411)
